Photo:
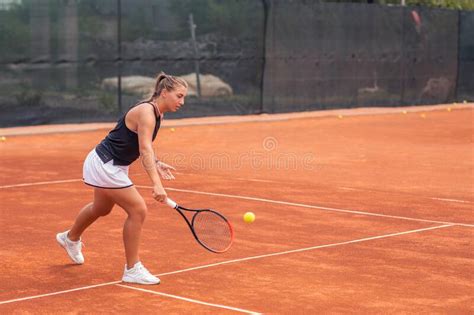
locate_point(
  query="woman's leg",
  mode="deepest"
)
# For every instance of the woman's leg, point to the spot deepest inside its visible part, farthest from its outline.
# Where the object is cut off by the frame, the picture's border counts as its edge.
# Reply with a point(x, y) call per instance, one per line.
point(132, 202)
point(101, 206)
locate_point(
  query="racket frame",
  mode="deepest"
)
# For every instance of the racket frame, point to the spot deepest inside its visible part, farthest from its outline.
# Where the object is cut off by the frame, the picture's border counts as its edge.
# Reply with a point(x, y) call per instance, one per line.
point(190, 224)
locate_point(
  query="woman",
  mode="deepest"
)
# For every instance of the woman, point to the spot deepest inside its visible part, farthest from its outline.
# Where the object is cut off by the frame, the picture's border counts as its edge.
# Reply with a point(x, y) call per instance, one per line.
point(106, 169)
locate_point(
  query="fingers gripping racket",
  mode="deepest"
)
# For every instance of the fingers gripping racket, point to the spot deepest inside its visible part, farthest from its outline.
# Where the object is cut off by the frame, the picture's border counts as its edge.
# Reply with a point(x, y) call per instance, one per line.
point(210, 228)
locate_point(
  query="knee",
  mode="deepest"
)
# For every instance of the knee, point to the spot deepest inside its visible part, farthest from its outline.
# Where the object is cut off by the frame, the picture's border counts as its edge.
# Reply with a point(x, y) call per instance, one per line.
point(139, 212)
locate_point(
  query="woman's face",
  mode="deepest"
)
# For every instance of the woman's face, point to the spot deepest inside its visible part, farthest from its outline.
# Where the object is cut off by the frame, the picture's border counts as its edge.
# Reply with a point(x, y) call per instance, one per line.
point(174, 99)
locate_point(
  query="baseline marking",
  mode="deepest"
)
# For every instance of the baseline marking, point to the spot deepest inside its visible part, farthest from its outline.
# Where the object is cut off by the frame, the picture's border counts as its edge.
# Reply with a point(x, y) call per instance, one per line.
point(340, 187)
point(188, 299)
point(302, 205)
point(262, 200)
point(307, 249)
point(59, 292)
point(42, 183)
point(235, 261)
point(451, 200)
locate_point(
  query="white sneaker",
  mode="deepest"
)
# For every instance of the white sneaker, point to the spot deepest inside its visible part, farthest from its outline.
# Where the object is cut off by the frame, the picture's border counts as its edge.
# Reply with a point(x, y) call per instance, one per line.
point(139, 274)
point(73, 249)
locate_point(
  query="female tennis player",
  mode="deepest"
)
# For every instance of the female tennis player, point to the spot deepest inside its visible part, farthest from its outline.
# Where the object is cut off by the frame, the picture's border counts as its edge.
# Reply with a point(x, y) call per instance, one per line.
point(106, 170)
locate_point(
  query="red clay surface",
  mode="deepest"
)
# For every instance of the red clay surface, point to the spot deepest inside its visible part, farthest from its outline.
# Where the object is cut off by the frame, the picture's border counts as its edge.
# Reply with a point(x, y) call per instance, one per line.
point(333, 199)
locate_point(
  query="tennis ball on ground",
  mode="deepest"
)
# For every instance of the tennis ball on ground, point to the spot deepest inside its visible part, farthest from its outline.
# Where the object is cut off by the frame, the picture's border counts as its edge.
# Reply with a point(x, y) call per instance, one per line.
point(340, 116)
point(405, 112)
point(249, 217)
point(172, 130)
point(448, 109)
point(465, 102)
point(423, 115)
point(3, 139)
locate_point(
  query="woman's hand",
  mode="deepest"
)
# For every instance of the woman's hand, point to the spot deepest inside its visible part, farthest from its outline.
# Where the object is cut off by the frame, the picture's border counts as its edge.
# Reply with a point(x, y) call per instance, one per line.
point(165, 170)
point(159, 193)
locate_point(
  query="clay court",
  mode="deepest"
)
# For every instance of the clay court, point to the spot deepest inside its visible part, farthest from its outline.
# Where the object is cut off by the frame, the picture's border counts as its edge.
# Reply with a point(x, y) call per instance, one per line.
point(356, 213)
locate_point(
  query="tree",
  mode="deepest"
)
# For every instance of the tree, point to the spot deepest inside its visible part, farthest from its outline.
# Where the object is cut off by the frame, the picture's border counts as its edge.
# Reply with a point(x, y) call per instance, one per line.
point(449, 4)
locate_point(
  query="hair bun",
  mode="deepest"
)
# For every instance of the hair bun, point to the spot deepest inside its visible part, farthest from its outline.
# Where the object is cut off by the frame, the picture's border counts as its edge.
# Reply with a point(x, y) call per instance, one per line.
point(161, 76)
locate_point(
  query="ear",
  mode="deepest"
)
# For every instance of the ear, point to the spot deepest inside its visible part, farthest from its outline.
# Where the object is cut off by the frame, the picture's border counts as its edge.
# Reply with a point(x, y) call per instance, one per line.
point(164, 93)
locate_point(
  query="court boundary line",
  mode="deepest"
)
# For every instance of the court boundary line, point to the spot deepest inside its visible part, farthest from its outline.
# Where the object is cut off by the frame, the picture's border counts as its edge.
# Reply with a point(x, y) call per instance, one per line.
point(287, 203)
point(302, 205)
point(238, 178)
point(338, 187)
point(305, 249)
point(33, 297)
point(63, 181)
point(235, 261)
point(189, 299)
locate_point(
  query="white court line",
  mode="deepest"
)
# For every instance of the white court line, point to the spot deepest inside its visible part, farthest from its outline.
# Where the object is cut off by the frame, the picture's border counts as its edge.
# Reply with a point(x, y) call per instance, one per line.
point(302, 205)
point(188, 299)
point(239, 178)
point(451, 200)
point(340, 187)
point(42, 183)
point(219, 177)
point(262, 200)
point(59, 292)
point(432, 198)
point(307, 249)
point(236, 260)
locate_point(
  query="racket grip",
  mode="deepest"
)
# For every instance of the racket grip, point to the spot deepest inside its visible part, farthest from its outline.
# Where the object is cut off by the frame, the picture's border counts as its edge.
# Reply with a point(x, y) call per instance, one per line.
point(171, 203)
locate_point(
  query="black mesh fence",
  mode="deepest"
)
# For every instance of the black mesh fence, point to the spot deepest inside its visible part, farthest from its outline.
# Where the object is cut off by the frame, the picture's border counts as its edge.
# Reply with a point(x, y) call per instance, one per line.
point(465, 84)
point(60, 60)
point(356, 55)
point(54, 57)
point(429, 57)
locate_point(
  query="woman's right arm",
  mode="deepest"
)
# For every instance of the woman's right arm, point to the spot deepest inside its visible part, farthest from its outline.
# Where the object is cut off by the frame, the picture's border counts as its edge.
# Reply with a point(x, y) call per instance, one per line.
point(145, 128)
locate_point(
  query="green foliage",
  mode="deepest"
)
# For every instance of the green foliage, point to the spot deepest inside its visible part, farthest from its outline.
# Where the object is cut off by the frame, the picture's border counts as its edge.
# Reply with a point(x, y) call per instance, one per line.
point(231, 18)
point(14, 32)
point(450, 4)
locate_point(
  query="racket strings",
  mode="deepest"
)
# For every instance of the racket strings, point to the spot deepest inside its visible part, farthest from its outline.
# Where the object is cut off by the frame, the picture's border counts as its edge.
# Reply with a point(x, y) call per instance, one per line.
point(212, 230)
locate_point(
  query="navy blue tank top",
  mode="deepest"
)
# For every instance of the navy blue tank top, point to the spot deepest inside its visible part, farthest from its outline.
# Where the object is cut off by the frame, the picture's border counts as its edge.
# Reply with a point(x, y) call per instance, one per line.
point(121, 144)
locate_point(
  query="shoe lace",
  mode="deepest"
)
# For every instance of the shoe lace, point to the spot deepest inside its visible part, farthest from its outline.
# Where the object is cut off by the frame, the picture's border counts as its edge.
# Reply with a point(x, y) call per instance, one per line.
point(76, 246)
point(144, 270)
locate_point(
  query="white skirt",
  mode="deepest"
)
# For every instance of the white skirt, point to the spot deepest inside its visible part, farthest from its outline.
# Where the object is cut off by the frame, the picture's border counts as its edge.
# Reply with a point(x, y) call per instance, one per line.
point(104, 175)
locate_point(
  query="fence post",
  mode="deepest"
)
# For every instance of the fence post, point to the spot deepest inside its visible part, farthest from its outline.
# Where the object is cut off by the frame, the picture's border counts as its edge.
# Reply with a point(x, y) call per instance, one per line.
point(119, 55)
point(196, 54)
point(458, 58)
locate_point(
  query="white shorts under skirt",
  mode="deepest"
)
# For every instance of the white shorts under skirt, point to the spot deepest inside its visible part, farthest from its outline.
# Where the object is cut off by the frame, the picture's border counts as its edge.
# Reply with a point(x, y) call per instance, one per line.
point(104, 175)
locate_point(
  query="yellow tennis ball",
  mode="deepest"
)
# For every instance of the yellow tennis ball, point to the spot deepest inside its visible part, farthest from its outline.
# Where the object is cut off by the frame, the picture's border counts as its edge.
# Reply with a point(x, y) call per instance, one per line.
point(423, 115)
point(340, 116)
point(405, 112)
point(465, 102)
point(172, 130)
point(449, 109)
point(3, 139)
point(249, 217)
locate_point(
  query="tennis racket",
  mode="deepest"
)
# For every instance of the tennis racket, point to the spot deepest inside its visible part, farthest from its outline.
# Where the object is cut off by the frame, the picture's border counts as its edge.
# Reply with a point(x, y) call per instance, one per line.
point(210, 228)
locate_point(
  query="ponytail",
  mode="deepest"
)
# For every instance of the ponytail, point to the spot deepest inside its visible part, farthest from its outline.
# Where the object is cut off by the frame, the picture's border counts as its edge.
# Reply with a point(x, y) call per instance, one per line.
point(165, 81)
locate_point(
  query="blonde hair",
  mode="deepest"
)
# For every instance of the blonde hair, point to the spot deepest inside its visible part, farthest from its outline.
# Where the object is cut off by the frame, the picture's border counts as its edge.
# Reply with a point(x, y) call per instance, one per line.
point(168, 82)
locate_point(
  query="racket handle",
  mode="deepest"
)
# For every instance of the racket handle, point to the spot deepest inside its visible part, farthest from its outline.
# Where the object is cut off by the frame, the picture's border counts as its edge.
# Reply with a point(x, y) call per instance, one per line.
point(171, 203)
